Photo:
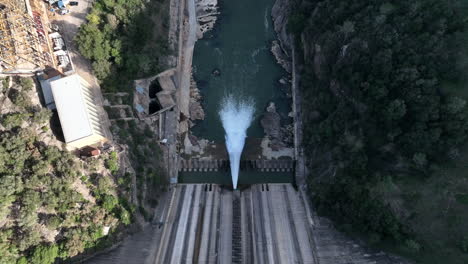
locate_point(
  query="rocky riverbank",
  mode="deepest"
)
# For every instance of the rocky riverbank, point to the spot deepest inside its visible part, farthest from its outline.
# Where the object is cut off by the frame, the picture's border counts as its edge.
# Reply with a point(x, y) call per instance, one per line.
point(207, 13)
point(279, 138)
point(281, 57)
point(281, 48)
point(196, 109)
point(279, 14)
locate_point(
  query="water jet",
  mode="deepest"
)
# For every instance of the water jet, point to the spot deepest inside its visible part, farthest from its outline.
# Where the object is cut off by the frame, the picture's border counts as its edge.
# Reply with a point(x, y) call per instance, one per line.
point(236, 116)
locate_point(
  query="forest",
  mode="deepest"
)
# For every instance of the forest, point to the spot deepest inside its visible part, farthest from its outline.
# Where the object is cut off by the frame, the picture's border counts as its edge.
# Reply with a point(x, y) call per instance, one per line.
point(52, 204)
point(125, 40)
point(385, 118)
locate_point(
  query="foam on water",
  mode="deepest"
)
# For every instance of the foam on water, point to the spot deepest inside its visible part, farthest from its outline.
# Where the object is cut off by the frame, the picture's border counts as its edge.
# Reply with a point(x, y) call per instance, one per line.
point(236, 116)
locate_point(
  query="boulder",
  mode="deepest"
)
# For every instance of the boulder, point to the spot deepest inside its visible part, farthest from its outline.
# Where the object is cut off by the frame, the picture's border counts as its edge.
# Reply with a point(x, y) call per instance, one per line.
point(216, 72)
point(196, 111)
point(283, 80)
point(271, 107)
point(271, 122)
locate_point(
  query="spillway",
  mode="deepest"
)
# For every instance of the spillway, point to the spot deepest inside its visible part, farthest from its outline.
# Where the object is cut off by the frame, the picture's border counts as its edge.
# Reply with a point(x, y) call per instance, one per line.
point(266, 223)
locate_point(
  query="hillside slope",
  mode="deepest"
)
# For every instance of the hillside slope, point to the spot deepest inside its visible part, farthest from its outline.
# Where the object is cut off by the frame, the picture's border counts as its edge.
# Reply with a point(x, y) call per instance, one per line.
point(382, 123)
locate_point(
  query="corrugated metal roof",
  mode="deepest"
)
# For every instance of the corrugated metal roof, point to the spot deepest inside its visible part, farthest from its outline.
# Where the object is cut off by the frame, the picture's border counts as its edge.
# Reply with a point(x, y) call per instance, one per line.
point(71, 107)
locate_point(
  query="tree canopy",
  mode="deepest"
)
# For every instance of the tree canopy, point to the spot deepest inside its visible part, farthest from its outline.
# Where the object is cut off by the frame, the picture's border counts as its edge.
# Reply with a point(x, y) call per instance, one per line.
point(124, 40)
point(375, 105)
point(43, 214)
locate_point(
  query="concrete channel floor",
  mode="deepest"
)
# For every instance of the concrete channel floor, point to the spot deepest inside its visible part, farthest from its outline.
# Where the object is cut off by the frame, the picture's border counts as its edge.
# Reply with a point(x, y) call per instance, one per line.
point(265, 223)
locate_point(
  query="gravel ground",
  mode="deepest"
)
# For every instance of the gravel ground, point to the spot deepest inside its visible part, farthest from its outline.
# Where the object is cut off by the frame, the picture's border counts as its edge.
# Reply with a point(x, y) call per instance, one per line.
point(69, 25)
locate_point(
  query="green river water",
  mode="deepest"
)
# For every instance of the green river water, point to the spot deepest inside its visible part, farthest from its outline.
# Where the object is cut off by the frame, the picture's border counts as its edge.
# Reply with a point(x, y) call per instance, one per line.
point(239, 47)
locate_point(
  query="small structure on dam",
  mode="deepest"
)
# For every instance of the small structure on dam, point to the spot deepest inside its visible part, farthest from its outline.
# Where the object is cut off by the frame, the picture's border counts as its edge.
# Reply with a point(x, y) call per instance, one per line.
point(200, 165)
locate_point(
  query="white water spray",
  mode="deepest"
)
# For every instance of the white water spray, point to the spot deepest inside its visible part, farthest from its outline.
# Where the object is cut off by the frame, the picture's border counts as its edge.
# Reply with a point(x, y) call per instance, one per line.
point(236, 116)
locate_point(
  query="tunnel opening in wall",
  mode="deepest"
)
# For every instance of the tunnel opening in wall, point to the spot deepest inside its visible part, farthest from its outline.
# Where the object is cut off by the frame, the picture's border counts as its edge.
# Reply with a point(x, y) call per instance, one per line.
point(154, 88)
point(154, 106)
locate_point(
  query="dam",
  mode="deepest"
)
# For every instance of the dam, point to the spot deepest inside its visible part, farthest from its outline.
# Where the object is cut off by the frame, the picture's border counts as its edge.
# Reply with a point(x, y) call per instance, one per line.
point(264, 224)
point(195, 165)
point(268, 218)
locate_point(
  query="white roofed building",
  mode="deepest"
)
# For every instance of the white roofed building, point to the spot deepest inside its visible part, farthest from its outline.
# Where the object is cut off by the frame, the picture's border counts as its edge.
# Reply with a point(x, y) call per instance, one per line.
point(80, 117)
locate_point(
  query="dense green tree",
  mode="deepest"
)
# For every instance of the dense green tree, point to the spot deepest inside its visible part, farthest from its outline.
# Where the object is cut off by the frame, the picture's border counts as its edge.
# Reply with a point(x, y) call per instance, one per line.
point(123, 40)
point(374, 100)
point(39, 201)
point(19, 98)
point(109, 202)
point(112, 162)
point(41, 116)
point(14, 119)
point(44, 254)
point(36, 179)
point(26, 83)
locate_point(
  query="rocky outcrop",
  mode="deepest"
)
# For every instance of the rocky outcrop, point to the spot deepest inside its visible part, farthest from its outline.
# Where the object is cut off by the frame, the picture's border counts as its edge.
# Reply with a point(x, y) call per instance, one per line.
point(207, 11)
point(282, 48)
point(195, 107)
point(281, 57)
point(279, 14)
point(271, 124)
point(196, 111)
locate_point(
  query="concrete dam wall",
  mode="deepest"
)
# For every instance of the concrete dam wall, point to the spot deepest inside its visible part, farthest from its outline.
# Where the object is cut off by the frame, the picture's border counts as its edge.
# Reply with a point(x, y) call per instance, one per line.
point(198, 165)
point(265, 223)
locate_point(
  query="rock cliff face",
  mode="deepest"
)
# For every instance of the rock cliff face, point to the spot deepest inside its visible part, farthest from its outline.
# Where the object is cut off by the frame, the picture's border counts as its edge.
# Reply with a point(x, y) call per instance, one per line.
point(281, 57)
point(279, 14)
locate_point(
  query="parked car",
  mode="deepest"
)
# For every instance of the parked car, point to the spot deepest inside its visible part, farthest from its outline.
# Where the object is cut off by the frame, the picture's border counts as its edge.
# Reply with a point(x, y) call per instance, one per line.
point(73, 3)
point(64, 11)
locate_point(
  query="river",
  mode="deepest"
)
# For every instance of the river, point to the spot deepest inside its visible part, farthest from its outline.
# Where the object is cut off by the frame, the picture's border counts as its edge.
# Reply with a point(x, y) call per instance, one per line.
point(239, 47)
point(235, 58)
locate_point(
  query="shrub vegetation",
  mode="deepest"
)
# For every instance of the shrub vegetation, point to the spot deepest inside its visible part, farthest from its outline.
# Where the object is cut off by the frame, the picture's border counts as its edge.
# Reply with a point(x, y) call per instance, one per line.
point(43, 216)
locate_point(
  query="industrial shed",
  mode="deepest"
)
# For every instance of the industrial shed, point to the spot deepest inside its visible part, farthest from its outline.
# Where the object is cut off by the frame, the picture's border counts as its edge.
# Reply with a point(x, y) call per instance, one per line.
point(78, 112)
